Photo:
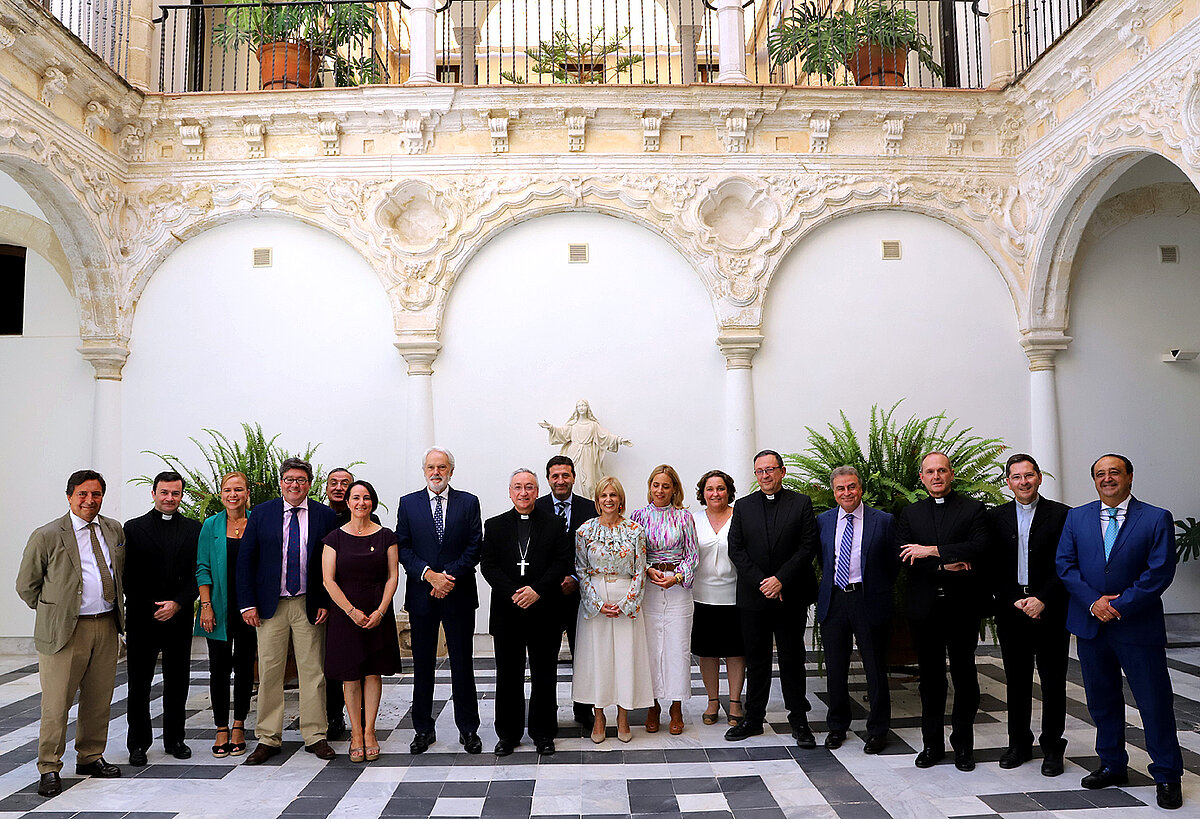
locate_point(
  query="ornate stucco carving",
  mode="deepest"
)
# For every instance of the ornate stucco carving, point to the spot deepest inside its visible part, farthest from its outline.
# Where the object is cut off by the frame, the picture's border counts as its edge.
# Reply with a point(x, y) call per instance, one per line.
point(7, 37)
point(54, 83)
point(96, 117)
point(820, 123)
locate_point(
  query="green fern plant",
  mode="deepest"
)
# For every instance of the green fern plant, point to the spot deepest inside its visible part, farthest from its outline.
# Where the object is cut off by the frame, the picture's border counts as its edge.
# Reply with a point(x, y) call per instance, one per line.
point(257, 456)
point(572, 58)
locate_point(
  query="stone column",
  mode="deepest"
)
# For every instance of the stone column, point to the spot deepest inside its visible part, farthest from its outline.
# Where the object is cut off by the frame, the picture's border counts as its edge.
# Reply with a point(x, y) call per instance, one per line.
point(141, 61)
point(468, 38)
point(419, 354)
point(108, 357)
point(731, 39)
point(740, 440)
point(688, 36)
point(1000, 34)
point(422, 56)
point(1041, 347)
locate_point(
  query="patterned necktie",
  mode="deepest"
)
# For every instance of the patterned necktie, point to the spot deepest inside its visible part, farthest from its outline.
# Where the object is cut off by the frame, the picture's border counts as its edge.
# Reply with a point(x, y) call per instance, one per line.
point(841, 576)
point(439, 522)
point(560, 507)
point(293, 553)
point(108, 588)
point(1110, 534)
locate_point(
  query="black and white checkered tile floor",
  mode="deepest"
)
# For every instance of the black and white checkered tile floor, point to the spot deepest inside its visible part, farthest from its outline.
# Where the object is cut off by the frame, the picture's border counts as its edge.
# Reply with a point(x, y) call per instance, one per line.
point(697, 775)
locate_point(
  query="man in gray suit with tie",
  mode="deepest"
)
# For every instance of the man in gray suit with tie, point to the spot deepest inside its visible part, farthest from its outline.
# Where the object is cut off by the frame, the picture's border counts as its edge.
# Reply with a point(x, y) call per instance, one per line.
point(71, 575)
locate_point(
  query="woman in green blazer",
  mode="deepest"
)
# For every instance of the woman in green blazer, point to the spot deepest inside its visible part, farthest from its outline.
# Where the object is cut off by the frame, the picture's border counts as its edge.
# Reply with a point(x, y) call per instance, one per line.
point(231, 643)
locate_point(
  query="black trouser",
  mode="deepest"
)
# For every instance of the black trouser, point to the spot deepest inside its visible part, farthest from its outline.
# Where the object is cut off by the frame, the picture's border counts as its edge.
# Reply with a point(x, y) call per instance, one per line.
point(145, 639)
point(460, 630)
point(1025, 642)
point(511, 648)
point(235, 656)
point(786, 625)
point(848, 621)
point(951, 631)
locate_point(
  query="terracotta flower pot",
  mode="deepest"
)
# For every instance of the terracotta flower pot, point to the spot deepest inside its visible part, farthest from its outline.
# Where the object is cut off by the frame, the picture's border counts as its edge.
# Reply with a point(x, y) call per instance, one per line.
point(873, 65)
point(287, 65)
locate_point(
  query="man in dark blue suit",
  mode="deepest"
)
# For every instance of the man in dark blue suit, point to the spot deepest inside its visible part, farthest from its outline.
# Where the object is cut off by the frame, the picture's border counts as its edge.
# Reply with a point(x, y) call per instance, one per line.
point(440, 531)
point(282, 594)
point(1116, 558)
point(854, 602)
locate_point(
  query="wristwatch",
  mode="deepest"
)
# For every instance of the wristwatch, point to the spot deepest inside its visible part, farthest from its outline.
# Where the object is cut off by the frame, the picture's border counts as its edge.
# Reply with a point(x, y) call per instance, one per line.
point(679, 578)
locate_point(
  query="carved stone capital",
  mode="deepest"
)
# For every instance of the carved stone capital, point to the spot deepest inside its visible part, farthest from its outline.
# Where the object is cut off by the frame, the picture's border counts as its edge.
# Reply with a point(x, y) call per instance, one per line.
point(1042, 346)
point(739, 348)
point(419, 353)
point(107, 356)
point(54, 82)
point(96, 116)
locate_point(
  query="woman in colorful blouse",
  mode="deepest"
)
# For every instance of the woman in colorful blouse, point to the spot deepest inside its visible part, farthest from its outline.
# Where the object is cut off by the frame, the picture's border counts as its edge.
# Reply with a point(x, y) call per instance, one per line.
point(611, 659)
point(671, 556)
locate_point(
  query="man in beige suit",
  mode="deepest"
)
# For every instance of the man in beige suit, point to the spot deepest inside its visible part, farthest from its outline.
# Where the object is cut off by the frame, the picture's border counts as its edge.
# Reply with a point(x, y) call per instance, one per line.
point(71, 574)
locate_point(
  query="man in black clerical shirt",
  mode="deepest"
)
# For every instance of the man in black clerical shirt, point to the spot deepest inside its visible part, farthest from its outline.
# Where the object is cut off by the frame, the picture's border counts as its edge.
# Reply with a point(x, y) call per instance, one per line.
point(160, 588)
point(943, 538)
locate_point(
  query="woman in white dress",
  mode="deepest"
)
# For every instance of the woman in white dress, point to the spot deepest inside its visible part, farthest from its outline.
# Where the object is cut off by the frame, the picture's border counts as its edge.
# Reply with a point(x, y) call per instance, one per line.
point(716, 625)
point(611, 661)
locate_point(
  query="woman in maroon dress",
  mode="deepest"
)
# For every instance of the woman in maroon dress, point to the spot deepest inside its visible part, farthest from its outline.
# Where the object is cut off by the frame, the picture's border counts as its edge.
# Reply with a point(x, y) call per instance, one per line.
point(360, 564)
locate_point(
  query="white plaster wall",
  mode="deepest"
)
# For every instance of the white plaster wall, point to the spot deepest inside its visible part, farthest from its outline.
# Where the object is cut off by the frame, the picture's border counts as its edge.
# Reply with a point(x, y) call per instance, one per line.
point(46, 421)
point(526, 335)
point(1116, 395)
point(845, 330)
point(304, 348)
point(12, 195)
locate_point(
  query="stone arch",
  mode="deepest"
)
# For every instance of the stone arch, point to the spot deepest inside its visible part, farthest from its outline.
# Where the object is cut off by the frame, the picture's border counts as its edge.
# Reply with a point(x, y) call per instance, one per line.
point(1062, 232)
point(1000, 258)
point(36, 235)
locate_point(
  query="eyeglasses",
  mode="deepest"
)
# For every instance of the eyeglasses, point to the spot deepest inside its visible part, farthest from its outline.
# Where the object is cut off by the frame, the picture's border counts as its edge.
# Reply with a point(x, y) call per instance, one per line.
point(292, 481)
point(768, 470)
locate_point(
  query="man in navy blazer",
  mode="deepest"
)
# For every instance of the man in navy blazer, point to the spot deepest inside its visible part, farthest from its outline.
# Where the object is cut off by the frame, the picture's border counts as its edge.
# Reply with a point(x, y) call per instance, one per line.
point(440, 531)
point(854, 602)
point(1116, 558)
point(282, 594)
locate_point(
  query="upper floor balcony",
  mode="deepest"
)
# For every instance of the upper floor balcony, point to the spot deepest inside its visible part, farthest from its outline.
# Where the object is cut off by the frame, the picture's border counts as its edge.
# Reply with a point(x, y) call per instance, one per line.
point(251, 46)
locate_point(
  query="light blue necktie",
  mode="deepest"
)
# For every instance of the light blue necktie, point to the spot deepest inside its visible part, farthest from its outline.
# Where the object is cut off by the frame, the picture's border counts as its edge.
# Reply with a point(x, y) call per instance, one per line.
point(1110, 534)
point(841, 575)
point(439, 522)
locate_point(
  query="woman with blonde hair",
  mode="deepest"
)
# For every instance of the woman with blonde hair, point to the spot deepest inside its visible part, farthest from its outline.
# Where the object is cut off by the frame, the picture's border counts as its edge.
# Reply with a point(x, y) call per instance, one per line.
point(611, 661)
point(671, 557)
point(232, 644)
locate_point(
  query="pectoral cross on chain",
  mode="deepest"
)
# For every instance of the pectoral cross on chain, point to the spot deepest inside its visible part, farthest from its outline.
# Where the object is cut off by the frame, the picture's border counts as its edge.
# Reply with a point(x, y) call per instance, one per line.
point(523, 564)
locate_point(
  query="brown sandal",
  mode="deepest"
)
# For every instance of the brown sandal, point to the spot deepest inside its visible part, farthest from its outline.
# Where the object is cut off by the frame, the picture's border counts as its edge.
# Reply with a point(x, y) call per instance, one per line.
point(676, 726)
point(652, 718)
point(711, 719)
point(734, 720)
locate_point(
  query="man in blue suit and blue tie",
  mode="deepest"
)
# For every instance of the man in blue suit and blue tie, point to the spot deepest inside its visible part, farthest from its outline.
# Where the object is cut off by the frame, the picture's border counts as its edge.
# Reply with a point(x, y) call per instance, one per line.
point(1116, 558)
point(281, 593)
point(440, 532)
point(854, 602)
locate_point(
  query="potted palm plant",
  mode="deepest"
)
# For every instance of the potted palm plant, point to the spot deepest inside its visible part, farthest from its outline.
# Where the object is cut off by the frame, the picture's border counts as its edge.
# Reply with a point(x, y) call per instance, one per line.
point(872, 40)
point(295, 40)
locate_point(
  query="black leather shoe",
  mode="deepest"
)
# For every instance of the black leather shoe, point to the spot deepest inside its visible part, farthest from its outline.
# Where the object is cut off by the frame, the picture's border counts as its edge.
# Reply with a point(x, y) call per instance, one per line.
point(545, 747)
point(178, 750)
point(261, 753)
point(834, 739)
point(321, 749)
point(1014, 757)
point(137, 757)
point(929, 757)
point(1052, 764)
point(471, 743)
point(743, 730)
point(98, 767)
point(336, 730)
point(804, 736)
point(504, 748)
point(1104, 778)
point(1169, 795)
point(875, 744)
point(421, 742)
point(964, 760)
point(51, 785)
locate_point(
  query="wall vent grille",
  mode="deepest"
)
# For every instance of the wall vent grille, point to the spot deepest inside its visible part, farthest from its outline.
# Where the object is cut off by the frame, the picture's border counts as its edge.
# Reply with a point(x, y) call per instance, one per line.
point(891, 250)
point(577, 253)
point(1168, 254)
point(262, 257)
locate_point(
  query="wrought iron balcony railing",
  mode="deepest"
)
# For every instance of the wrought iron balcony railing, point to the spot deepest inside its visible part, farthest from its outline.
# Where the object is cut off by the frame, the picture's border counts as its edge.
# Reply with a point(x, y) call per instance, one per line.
point(102, 25)
point(1038, 24)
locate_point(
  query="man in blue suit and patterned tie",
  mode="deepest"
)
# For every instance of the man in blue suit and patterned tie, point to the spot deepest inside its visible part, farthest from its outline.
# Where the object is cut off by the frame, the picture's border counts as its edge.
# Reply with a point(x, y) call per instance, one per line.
point(440, 532)
point(1116, 558)
point(282, 595)
point(854, 602)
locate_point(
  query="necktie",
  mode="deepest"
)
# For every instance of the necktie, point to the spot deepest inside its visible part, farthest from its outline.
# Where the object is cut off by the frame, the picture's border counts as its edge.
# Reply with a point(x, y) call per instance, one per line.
point(439, 522)
point(561, 508)
point(293, 553)
point(841, 575)
point(108, 588)
point(1110, 534)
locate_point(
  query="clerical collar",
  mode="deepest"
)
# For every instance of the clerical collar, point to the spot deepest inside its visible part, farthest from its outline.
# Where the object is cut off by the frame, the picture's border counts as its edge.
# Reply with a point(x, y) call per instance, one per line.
point(523, 517)
point(1028, 507)
point(768, 497)
point(939, 500)
point(165, 516)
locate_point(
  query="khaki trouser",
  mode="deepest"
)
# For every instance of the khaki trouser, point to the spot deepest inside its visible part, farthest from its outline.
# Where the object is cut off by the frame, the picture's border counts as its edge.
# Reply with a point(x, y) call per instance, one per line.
point(87, 664)
point(291, 621)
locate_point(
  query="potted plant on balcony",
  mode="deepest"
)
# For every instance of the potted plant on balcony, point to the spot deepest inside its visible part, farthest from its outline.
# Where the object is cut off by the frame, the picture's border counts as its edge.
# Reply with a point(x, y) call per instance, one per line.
point(294, 40)
point(872, 39)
